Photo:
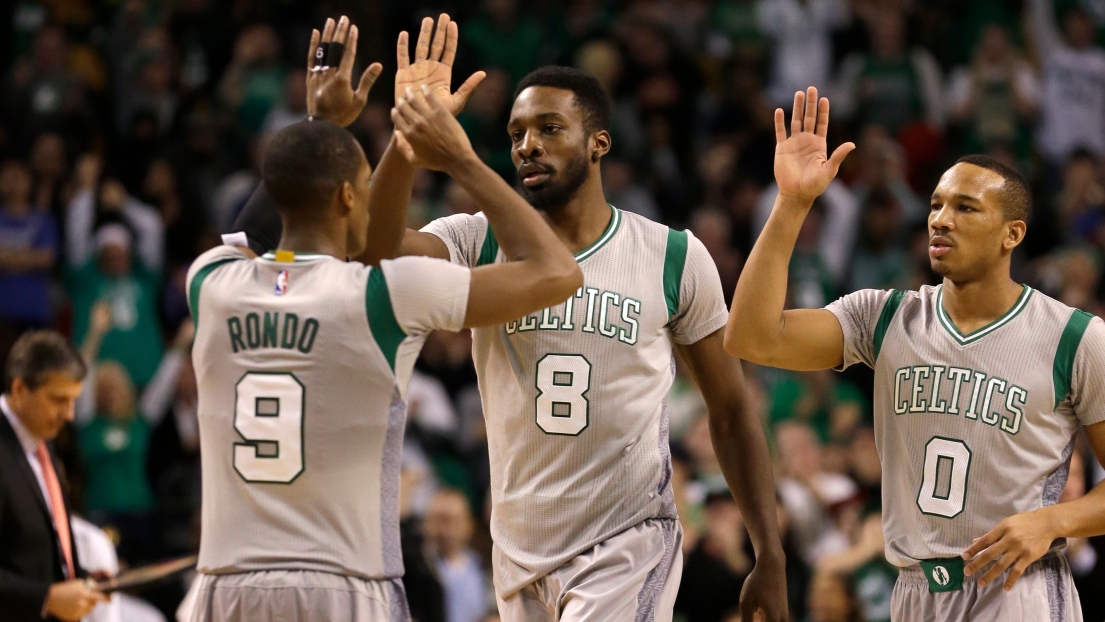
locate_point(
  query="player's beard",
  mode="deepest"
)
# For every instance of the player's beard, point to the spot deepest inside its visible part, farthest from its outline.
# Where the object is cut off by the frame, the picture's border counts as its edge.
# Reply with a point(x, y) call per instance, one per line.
point(562, 188)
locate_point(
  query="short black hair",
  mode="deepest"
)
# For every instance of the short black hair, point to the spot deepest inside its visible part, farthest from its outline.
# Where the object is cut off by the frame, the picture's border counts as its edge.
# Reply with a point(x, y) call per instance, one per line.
point(305, 164)
point(1016, 196)
point(38, 353)
point(590, 96)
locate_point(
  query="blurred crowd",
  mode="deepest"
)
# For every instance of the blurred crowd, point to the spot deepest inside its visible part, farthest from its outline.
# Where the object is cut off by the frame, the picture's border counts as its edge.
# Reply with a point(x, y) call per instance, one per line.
point(130, 132)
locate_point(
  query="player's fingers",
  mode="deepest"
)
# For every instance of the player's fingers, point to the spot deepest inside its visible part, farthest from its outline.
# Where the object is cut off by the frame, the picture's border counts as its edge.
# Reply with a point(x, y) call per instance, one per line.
point(349, 54)
point(1016, 572)
point(796, 114)
point(401, 123)
point(422, 48)
point(995, 571)
point(316, 36)
point(404, 146)
point(841, 152)
point(451, 36)
point(780, 125)
point(981, 544)
point(460, 98)
point(402, 54)
point(342, 31)
point(438, 45)
point(328, 30)
point(417, 98)
point(811, 110)
point(368, 78)
point(823, 117)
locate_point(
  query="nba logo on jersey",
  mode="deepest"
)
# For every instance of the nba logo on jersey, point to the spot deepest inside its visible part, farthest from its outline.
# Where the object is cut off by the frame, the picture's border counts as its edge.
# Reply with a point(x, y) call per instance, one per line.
point(281, 283)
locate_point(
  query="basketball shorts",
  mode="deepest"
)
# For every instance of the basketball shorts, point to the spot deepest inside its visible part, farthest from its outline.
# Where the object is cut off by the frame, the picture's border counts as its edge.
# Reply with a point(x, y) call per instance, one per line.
point(632, 576)
point(937, 591)
point(298, 596)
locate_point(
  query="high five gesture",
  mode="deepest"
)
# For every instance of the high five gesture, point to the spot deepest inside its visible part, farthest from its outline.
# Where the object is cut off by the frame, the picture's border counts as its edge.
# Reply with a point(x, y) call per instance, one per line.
point(803, 168)
point(330, 93)
point(433, 64)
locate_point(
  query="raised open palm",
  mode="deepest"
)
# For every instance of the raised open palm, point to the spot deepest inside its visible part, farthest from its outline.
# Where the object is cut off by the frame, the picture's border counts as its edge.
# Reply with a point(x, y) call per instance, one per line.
point(433, 65)
point(803, 168)
point(330, 93)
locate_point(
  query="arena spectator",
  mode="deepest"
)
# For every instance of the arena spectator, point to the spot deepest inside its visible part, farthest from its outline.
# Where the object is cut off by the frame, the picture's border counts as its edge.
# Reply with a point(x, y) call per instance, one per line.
point(448, 526)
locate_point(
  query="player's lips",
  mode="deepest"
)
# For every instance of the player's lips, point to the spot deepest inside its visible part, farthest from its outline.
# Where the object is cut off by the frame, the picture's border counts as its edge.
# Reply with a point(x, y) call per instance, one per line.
point(533, 174)
point(939, 246)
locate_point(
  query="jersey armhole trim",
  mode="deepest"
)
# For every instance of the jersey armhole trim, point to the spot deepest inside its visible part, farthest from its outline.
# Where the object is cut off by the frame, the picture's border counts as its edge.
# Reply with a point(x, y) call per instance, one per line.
point(887, 315)
point(197, 284)
point(675, 258)
point(1063, 367)
point(490, 249)
point(381, 316)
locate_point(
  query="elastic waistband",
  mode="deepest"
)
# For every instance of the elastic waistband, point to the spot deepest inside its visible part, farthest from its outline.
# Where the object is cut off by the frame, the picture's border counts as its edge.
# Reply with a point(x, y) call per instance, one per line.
point(917, 574)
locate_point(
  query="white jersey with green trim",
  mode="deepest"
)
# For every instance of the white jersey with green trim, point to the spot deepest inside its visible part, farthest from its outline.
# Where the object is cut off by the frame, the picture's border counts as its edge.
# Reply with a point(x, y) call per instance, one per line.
point(302, 366)
point(971, 428)
point(574, 396)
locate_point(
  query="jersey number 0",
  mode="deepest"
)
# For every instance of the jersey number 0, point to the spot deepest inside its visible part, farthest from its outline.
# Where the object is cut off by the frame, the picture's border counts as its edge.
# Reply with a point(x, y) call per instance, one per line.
point(268, 414)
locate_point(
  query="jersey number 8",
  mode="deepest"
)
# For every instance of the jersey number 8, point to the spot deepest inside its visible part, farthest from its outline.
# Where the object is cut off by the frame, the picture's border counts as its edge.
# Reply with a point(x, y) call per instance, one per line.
point(562, 384)
point(268, 414)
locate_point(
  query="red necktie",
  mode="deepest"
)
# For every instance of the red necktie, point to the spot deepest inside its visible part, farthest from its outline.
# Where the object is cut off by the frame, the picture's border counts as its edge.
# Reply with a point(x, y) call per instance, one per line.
point(61, 520)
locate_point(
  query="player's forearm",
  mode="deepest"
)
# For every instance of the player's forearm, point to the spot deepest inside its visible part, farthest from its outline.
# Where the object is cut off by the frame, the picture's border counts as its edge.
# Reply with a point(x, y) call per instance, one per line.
point(755, 319)
point(519, 229)
point(741, 449)
point(389, 198)
point(1083, 517)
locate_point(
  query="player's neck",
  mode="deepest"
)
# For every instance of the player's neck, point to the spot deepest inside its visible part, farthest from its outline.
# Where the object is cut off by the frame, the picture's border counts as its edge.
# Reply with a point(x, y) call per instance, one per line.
point(583, 220)
point(312, 241)
point(974, 304)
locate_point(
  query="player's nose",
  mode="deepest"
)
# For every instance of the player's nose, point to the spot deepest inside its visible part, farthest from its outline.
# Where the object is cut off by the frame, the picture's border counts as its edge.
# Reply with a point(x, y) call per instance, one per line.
point(530, 146)
point(942, 218)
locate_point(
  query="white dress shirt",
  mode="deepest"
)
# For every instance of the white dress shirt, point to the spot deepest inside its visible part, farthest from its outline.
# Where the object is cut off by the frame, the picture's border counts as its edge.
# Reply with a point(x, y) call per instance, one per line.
point(30, 449)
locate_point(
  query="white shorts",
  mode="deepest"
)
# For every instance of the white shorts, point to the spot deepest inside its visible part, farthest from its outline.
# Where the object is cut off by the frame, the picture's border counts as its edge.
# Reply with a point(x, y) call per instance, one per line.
point(1045, 593)
point(631, 576)
point(298, 596)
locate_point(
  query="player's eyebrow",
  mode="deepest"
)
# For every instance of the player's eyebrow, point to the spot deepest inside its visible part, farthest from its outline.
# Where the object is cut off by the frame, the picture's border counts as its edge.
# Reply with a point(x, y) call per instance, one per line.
point(552, 115)
point(960, 196)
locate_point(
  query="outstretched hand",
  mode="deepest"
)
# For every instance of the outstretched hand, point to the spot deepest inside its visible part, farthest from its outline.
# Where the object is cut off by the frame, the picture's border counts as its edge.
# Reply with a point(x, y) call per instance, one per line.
point(330, 93)
point(433, 65)
point(802, 167)
point(426, 132)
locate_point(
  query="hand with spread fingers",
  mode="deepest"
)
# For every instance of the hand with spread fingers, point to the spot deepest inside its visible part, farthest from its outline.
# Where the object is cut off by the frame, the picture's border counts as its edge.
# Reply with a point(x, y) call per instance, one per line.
point(426, 132)
point(330, 93)
point(1013, 544)
point(433, 64)
point(803, 168)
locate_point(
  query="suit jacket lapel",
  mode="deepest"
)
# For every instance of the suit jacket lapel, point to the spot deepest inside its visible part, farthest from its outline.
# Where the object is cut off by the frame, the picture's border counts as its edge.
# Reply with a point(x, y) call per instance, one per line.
point(8, 437)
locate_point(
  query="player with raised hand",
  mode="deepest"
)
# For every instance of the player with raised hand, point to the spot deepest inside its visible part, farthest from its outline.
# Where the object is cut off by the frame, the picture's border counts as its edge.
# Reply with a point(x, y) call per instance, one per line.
point(583, 516)
point(981, 384)
point(302, 361)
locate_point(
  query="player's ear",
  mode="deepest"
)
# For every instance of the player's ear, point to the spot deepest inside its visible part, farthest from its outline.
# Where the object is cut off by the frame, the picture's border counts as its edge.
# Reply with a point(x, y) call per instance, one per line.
point(1015, 234)
point(347, 198)
point(600, 145)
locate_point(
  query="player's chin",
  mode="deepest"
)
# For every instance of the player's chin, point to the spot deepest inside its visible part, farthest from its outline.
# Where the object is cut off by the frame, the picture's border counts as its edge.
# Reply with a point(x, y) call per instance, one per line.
point(939, 266)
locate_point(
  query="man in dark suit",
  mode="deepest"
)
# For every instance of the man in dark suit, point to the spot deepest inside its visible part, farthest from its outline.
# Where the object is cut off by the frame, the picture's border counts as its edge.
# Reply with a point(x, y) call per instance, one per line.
point(38, 560)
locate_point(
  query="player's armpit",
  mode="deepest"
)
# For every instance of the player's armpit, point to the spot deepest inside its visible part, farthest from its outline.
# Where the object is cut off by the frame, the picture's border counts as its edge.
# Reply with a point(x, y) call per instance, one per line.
point(503, 292)
point(417, 243)
point(807, 340)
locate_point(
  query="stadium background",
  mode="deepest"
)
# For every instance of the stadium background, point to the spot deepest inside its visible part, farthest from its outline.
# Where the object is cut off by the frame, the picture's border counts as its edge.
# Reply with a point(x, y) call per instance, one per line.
point(130, 134)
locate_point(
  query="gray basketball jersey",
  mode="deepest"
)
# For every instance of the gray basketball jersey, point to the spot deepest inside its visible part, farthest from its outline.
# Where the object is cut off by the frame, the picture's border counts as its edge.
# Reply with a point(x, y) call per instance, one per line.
point(971, 428)
point(574, 396)
point(302, 366)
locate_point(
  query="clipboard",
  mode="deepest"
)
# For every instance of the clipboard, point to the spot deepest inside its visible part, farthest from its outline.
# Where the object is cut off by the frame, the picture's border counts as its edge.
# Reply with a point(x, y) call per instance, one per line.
point(138, 578)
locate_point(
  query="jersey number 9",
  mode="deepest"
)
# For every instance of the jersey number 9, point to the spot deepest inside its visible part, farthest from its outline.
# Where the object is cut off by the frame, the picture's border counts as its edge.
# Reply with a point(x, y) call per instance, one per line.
point(268, 414)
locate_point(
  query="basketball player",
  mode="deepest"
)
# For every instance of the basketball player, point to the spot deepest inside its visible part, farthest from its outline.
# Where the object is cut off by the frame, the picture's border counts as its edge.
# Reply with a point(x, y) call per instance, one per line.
point(981, 384)
point(303, 360)
point(583, 517)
